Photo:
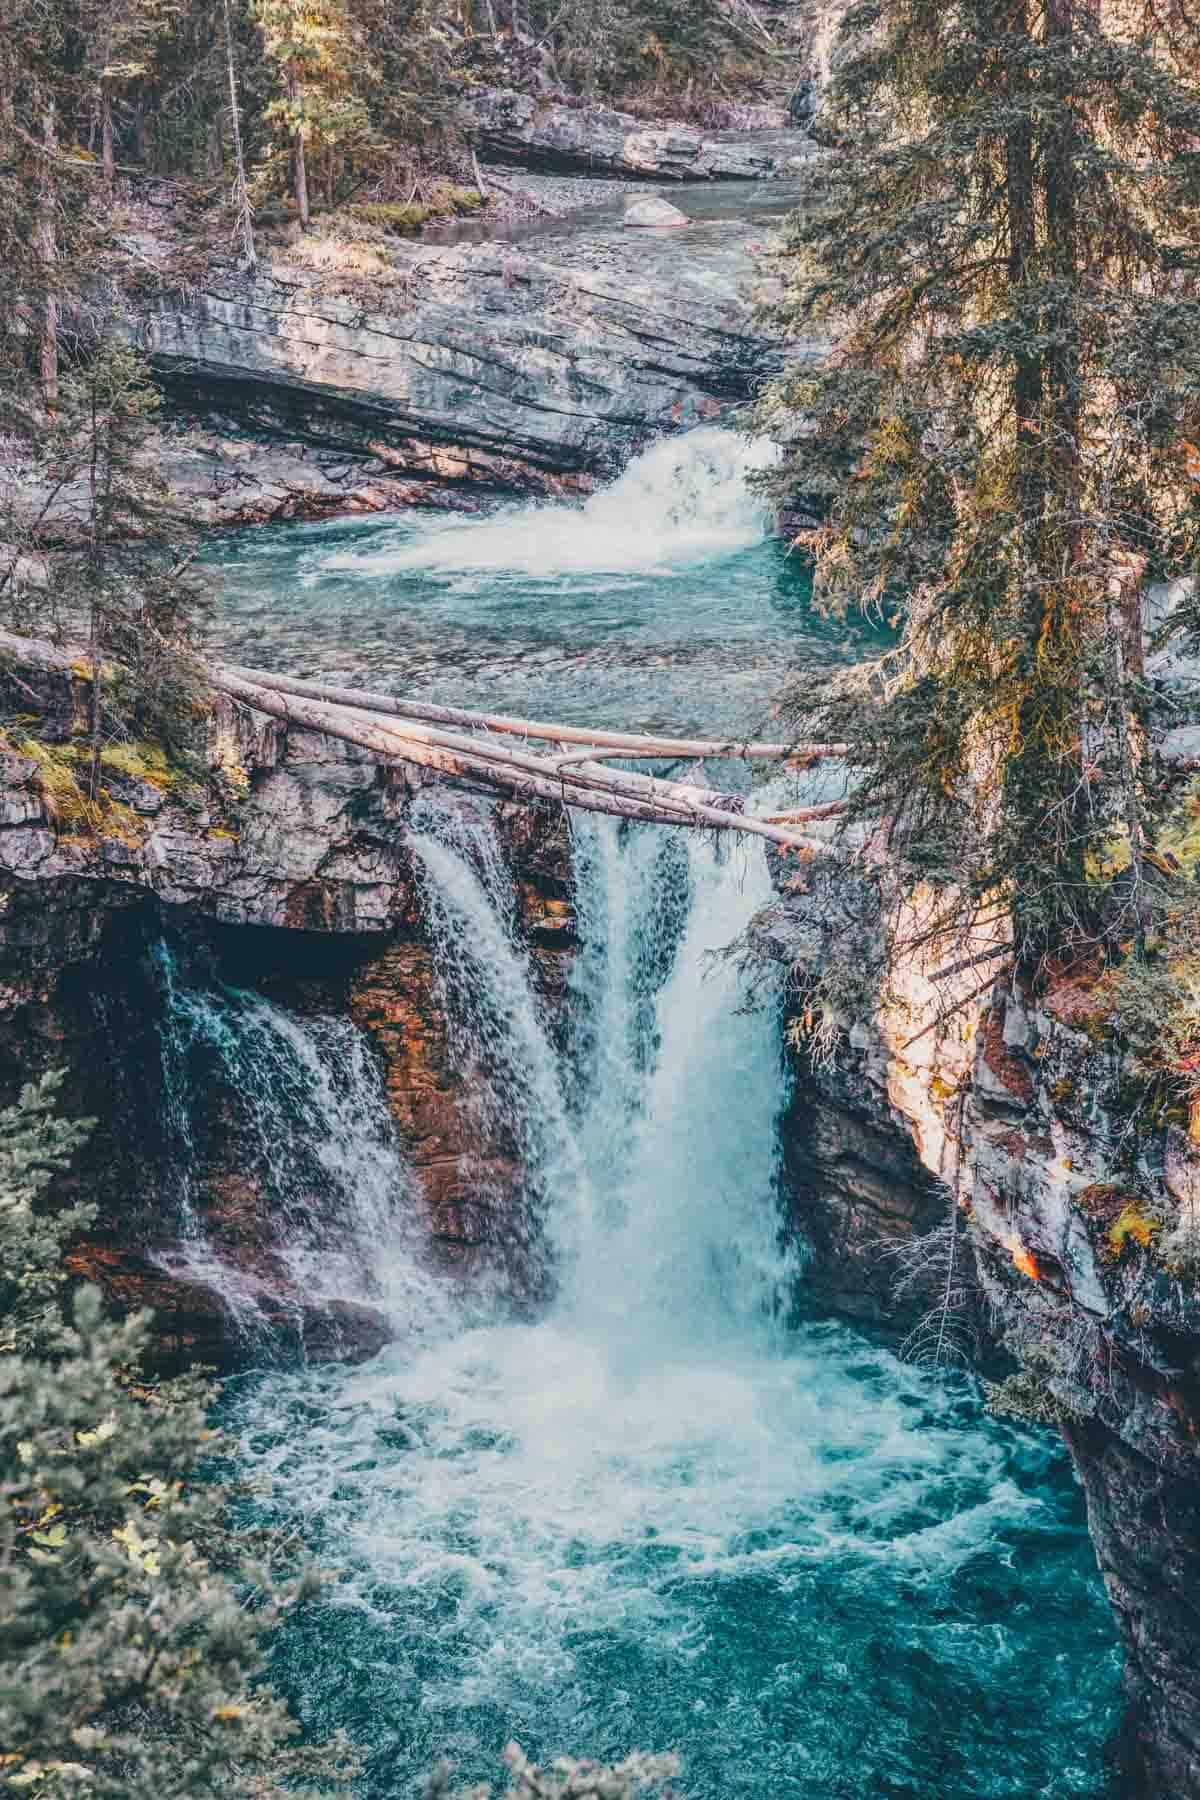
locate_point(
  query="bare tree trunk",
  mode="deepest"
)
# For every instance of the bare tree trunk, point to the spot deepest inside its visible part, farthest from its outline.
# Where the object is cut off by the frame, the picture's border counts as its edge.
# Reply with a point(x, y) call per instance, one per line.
point(1117, 675)
point(299, 168)
point(524, 777)
point(106, 138)
point(97, 547)
point(300, 180)
point(141, 149)
point(48, 252)
point(624, 743)
point(241, 198)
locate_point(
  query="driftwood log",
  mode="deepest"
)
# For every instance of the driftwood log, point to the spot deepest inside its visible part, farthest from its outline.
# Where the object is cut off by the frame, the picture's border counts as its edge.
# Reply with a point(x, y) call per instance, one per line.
point(518, 774)
point(630, 744)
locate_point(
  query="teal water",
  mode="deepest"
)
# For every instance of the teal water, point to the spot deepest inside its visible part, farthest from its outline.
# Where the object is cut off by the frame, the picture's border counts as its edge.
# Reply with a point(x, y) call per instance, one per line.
point(658, 1510)
point(660, 602)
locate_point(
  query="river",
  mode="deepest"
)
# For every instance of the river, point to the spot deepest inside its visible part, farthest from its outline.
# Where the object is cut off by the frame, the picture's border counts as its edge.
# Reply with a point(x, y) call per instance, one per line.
point(669, 1510)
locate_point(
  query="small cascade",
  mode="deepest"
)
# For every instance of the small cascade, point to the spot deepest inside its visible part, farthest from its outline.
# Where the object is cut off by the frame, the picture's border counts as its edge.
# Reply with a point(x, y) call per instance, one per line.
point(497, 1021)
point(682, 502)
point(309, 1117)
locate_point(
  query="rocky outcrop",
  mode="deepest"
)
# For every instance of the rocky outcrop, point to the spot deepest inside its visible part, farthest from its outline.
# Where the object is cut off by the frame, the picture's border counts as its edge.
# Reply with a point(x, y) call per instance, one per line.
point(582, 136)
point(282, 865)
point(470, 368)
point(1081, 1220)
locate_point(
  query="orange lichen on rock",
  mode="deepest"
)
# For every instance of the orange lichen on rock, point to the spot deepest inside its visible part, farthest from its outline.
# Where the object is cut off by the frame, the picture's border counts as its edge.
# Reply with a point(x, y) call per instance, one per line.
point(1134, 1226)
point(1023, 1259)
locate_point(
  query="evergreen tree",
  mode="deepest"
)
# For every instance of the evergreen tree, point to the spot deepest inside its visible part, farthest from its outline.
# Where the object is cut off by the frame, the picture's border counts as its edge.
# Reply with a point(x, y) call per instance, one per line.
point(134, 1622)
point(1004, 260)
point(318, 55)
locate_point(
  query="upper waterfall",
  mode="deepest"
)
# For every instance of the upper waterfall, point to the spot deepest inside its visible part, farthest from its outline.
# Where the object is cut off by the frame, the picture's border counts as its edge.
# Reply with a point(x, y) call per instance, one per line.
point(684, 500)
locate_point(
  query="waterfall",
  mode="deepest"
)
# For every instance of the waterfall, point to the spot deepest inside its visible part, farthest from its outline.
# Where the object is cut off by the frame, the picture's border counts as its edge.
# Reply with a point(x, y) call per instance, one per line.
point(310, 1120)
point(683, 501)
point(685, 1090)
point(498, 1029)
point(650, 1513)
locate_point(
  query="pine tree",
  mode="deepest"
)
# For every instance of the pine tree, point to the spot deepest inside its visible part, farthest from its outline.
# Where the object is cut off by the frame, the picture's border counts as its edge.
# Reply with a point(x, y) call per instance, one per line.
point(317, 53)
point(1004, 262)
point(121, 38)
point(134, 1621)
point(130, 584)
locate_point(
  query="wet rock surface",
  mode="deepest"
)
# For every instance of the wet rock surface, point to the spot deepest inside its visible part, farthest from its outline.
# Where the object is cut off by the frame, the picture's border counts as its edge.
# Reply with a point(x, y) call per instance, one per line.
point(1075, 1217)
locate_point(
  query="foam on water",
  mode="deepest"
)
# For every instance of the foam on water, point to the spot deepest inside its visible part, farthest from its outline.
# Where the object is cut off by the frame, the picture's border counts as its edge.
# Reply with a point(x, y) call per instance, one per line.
point(656, 1515)
point(683, 501)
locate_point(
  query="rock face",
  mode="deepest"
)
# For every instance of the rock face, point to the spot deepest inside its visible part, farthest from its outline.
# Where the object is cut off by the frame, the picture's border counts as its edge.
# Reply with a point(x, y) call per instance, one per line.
point(473, 367)
point(1079, 1222)
point(589, 138)
point(286, 870)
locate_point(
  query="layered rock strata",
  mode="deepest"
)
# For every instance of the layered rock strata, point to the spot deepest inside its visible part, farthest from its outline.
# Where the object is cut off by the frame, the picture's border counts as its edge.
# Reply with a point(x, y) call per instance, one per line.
point(473, 368)
point(587, 138)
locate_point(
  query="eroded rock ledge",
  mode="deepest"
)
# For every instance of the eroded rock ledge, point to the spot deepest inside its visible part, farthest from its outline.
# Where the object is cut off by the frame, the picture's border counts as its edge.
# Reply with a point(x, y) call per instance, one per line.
point(584, 137)
point(470, 369)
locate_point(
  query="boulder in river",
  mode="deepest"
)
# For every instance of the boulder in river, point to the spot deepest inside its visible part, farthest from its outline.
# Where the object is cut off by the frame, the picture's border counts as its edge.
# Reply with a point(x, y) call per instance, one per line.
point(655, 212)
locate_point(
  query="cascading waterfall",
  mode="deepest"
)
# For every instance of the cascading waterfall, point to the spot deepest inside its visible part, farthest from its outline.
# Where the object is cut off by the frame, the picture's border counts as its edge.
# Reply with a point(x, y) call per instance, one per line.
point(315, 1129)
point(683, 501)
point(653, 1514)
point(496, 1018)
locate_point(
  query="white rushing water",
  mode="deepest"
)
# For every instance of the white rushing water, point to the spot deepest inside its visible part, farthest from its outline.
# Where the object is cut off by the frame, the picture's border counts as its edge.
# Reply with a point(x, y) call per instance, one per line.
point(316, 1134)
point(654, 1514)
point(682, 502)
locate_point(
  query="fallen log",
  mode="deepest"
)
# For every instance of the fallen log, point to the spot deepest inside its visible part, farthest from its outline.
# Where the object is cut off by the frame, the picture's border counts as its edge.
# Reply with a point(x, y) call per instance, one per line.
point(804, 815)
point(636, 745)
point(591, 786)
point(523, 777)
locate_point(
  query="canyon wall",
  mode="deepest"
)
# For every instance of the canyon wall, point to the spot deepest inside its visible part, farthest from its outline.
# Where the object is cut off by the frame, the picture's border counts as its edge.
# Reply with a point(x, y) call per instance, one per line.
point(1078, 1224)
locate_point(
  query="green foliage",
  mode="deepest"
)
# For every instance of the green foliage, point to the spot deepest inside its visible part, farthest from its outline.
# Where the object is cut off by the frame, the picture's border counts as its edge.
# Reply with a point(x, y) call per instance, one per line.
point(135, 1622)
point(122, 581)
point(1002, 262)
point(662, 49)
point(35, 1146)
point(318, 55)
point(567, 1779)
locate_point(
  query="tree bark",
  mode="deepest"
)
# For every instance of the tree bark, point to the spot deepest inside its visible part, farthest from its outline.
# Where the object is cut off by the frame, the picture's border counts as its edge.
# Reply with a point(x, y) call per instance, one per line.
point(631, 744)
point(106, 138)
point(299, 167)
point(244, 226)
point(1022, 249)
point(48, 252)
point(523, 777)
